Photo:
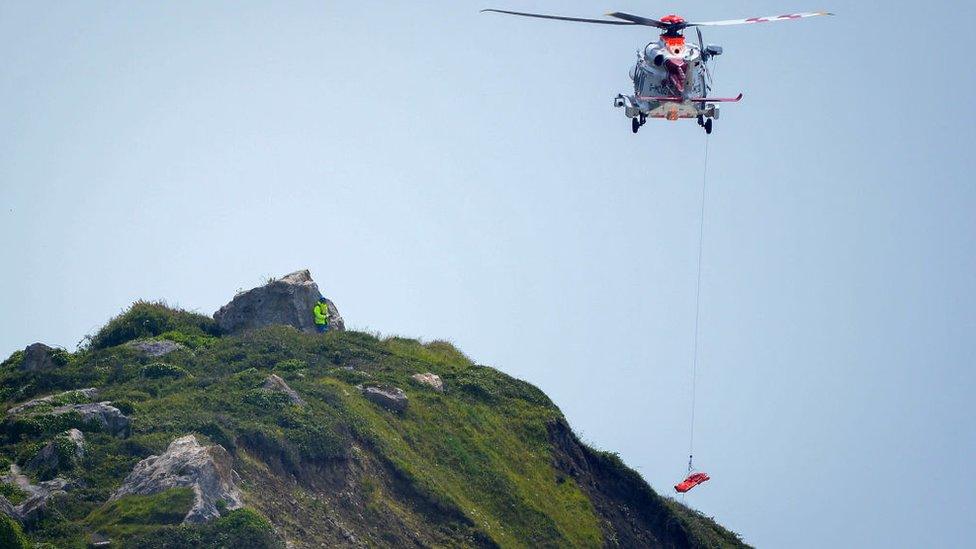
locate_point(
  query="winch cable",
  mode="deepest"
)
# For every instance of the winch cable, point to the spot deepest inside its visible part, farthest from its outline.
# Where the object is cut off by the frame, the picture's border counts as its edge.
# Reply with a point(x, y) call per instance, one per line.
point(701, 241)
point(694, 362)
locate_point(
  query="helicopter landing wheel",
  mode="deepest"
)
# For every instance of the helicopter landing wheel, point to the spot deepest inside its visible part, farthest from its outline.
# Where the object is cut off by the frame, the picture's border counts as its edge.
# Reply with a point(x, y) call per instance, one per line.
point(708, 126)
point(701, 120)
point(634, 124)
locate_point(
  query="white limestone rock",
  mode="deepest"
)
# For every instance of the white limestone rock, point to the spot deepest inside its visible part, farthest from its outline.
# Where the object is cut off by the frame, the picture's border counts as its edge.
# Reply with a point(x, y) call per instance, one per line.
point(186, 463)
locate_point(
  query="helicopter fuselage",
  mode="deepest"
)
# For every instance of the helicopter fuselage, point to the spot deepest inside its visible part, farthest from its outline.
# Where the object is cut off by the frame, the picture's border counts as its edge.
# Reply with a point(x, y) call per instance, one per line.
point(671, 81)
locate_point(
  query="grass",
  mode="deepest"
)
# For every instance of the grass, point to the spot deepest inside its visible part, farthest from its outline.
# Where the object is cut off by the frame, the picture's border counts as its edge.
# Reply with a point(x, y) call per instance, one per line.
point(697, 524)
point(13, 494)
point(159, 369)
point(472, 463)
point(11, 535)
point(132, 515)
point(492, 467)
point(237, 529)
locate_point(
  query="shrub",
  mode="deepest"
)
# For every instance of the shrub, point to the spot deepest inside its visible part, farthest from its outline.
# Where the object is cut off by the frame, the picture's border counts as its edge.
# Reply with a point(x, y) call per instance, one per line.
point(239, 528)
point(69, 397)
point(32, 426)
point(247, 378)
point(124, 406)
point(13, 360)
point(218, 434)
point(146, 319)
point(157, 370)
point(60, 357)
point(317, 439)
point(13, 494)
point(65, 458)
point(11, 535)
point(290, 365)
point(242, 528)
point(266, 400)
point(490, 385)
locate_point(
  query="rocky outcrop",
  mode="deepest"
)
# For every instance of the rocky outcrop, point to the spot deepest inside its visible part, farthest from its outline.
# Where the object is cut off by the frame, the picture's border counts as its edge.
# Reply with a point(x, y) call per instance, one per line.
point(38, 495)
point(187, 464)
point(110, 418)
point(391, 398)
point(288, 301)
point(38, 357)
point(275, 384)
point(155, 349)
point(430, 379)
point(51, 400)
point(65, 450)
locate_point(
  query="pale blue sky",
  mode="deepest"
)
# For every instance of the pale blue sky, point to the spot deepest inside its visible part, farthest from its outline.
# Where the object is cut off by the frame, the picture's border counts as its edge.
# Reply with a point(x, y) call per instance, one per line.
point(453, 175)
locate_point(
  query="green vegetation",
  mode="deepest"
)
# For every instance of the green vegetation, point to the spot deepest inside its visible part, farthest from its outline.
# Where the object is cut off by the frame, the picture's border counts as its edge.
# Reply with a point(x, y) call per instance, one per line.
point(238, 529)
point(290, 365)
point(13, 494)
point(193, 341)
point(159, 369)
point(41, 426)
point(132, 515)
point(11, 536)
point(472, 466)
point(698, 525)
point(69, 397)
point(150, 319)
point(13, 360)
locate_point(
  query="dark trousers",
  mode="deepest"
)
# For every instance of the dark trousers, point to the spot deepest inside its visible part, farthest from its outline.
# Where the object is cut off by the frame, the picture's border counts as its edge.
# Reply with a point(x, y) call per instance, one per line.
point(322, 328)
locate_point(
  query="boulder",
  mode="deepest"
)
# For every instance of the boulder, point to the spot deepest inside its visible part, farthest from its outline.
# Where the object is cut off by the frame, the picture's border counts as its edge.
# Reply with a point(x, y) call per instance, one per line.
point(77, 438)
point(275, 384)
point(37, 495)
point(38, 357)
point(187, 464)
point(391, 398)
point(433, 380)
point(50, 400)
point(69, 445)
point(155, 348)
point(111, 419)
point(288, 301)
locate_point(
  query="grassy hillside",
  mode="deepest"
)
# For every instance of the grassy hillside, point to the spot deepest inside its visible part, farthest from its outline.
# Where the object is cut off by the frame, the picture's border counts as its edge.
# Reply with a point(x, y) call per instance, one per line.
point(488, 462)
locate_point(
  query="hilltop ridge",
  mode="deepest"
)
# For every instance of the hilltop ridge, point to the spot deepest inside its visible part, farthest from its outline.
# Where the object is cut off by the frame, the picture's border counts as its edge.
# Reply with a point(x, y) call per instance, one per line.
point(173, 429)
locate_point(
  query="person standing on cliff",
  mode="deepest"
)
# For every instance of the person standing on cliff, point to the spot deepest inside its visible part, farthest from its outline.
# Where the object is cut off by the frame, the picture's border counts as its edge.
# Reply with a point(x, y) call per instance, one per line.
point(321, 312)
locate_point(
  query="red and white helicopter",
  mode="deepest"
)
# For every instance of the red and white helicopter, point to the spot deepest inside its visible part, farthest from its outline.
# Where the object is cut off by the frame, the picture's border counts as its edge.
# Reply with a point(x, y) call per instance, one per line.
point(671, 77)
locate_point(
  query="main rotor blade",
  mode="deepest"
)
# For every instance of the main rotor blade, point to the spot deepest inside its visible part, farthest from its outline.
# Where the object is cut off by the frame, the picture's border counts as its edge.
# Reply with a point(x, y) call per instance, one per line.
point(638, 20)
point(771, 18)
point(561, 18)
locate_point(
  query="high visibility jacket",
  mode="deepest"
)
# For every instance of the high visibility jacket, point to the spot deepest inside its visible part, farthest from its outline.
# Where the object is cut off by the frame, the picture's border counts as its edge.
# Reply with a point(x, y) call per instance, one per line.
point(321, 312)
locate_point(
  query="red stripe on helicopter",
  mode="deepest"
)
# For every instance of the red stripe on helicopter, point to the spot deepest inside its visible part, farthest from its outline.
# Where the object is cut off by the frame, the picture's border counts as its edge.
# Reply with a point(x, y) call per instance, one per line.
point(778, 17)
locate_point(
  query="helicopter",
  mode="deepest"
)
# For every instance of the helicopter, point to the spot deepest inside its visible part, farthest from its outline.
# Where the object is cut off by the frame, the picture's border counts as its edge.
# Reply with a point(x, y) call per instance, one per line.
point(671, 77)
